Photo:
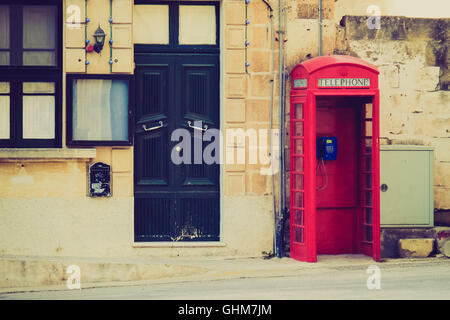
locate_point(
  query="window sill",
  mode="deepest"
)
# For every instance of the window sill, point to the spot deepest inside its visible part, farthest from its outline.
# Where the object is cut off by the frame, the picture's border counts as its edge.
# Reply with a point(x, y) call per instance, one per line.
point(177, 244)
point(42, 155)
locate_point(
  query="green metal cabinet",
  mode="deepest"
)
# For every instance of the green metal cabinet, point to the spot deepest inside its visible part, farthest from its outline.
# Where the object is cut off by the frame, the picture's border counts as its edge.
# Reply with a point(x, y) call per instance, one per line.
point(406, 180)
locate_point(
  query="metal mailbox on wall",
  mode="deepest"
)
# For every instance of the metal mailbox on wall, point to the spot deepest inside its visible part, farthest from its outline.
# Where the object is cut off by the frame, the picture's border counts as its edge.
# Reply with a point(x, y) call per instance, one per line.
point(406, 178)
point(99, 180)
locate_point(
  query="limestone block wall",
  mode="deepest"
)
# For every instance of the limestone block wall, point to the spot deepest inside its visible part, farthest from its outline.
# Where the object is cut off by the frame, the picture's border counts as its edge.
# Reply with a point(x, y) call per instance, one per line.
point(82, 18)
point(247, 92)
point(412, 56)
point(43, 193)
point(247, 107)
point(43, 202)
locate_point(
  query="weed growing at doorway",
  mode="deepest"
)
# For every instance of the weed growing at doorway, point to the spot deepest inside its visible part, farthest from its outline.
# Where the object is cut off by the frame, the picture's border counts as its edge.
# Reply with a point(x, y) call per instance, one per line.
point(268, 255)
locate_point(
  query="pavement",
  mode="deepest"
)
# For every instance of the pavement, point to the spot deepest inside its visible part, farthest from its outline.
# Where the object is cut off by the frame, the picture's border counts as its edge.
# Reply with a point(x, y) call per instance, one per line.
point(411, 281)
point(30, 274)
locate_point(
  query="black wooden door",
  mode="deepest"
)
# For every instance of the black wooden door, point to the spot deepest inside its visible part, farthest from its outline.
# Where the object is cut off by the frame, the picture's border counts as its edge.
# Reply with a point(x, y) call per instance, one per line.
point(175, 202)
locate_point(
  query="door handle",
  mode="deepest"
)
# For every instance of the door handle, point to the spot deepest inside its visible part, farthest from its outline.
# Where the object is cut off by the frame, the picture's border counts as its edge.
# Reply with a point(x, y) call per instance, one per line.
point(152, 128)
point(384, 187)
point(205, 127)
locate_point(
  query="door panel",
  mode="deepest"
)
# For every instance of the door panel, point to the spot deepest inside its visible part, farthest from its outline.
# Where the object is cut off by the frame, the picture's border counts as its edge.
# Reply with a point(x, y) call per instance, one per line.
point(157, 94)
point(155, 81)
point(175, 202)
point(199, 91)
point(199, 103)
point(152, 165)
point(153, 217)
point(197, 217)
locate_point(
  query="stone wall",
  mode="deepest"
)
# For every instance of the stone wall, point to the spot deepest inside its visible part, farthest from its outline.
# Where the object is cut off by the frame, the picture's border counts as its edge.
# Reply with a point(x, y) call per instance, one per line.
point(43, 203)
point(412, 56)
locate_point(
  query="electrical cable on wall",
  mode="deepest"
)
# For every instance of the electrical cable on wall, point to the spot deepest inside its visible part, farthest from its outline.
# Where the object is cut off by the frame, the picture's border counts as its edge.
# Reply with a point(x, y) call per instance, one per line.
point(247, 43)
point(110, 36)
point(86, 40)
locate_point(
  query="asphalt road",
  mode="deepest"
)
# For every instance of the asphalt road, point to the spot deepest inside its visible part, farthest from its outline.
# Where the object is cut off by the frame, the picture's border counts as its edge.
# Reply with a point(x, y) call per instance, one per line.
point(412, 281)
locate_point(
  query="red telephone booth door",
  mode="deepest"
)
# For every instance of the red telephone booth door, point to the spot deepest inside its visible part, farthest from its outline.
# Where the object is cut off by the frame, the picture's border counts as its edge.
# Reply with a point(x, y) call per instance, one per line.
point(302, 196)
point(334, 198)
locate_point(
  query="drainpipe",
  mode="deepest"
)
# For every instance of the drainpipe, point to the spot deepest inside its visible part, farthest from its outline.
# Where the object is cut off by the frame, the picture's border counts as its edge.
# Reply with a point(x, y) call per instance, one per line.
point(283, 134)
point(320, 27)
point(272, 78)
point(279, 226)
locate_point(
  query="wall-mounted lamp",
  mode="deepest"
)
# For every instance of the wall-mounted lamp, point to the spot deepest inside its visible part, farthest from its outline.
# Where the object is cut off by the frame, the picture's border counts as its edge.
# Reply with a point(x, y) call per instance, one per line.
point(99, 37)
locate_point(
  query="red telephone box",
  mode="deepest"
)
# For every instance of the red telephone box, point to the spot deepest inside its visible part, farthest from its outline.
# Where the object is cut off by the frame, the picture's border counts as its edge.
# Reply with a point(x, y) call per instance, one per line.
point(334, 194)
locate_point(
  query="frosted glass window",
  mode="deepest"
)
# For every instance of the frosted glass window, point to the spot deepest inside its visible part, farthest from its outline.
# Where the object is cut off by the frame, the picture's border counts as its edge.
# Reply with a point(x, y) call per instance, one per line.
point(39, 58)
point(39, 23)
point(4, 27)
point(39, 32)
point(100, 110)
point(4, 35)
point(151, 24)
point(4, 110)
point(4, 116)
point(4, 87)
point(4, 58)
point(197, 25)
point(38, 87)
point(38, 117)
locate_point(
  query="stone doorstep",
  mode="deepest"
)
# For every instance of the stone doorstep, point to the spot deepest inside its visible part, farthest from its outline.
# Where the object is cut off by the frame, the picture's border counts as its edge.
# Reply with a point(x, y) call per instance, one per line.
point(415, 248)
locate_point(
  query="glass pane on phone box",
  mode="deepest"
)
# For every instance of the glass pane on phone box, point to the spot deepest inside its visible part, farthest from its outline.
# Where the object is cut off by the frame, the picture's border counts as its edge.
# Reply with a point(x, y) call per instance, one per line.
point(298, 164)
point(298, 199)
point(298, 181)
point(298, 217)
point(298, 111)
point(298, 146)
point(298, 234)
point(298, 128)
